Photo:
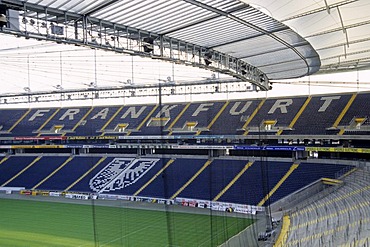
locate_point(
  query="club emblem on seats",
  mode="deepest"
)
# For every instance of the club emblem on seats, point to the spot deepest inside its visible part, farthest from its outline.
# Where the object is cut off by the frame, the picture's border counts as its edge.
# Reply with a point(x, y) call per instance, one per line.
point(120, 173)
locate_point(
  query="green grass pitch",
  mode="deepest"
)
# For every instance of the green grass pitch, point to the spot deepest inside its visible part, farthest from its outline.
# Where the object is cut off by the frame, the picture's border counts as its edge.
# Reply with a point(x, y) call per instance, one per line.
point(35, 223)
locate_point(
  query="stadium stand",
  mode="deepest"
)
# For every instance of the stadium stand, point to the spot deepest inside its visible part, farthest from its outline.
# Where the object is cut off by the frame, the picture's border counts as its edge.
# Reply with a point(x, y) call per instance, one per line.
point(235, 114)
point(65, 121)
point(356, 119)
point(82, 182)
point(160, 120)
point(290, 171)
point(65, 174)
point(317, 115)
point(13, 166)
point(305, 174)
point(227, 180)
point(334, 218)
point(95, 121)
point(255, 155)
point(173, 178)
point(32, 122)
point(198, 117)
point(250, 190)
point(36, 171)
point(128, 119)
point(10, 119)
point(320, 114)
point(275, 114)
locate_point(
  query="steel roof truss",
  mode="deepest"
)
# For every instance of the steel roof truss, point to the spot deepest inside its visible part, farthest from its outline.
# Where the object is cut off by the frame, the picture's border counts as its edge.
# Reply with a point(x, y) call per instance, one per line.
point(96, 33)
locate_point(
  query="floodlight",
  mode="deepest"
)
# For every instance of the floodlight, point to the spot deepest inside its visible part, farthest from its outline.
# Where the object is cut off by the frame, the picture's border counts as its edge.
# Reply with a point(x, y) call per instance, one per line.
point(243, 69)
point(148, 44)
point(57, 30)
point(3, 20)
point(59, 87)
point(262, 79)
point(92, 85)
point(207, 58)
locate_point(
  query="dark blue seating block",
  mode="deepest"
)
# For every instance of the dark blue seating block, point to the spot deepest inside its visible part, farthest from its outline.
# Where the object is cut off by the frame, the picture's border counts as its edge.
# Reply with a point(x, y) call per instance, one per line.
point(69, 173)
point(283, 110)
point(213, 179)
point(32, 122)
point(359, 108)
point(173, 178)
point(68, 117)
point(13, 166)
point(234, 117)
point(132, 115)
point(8, 118)
point(96, 119)
point(305, 174)
point(247, 189)
point(320, 114)
point(166, 111)
point(38, 171)
point(256, 182)
point(203, 113)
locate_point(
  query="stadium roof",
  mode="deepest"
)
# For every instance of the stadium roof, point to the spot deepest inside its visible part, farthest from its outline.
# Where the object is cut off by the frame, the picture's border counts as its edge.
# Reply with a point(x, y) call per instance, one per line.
point(339, 30)
point(230, 27)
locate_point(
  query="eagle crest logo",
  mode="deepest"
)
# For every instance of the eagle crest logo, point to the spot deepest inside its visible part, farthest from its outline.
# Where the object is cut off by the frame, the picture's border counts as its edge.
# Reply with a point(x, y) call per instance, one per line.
point(120, 173)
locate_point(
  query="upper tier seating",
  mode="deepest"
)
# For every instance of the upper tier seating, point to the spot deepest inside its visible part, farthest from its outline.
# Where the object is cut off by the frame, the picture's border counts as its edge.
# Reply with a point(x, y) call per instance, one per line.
point(317, 115)
point(320, 114)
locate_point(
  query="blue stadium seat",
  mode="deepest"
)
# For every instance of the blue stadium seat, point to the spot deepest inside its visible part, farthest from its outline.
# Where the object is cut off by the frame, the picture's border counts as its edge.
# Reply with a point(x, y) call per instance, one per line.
point(175, 176)
point(69, 173)
point(38, 171)
point(12, 166)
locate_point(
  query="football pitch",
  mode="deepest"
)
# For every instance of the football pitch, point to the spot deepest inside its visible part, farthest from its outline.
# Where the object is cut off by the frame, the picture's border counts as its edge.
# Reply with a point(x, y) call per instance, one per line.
point(39, 223)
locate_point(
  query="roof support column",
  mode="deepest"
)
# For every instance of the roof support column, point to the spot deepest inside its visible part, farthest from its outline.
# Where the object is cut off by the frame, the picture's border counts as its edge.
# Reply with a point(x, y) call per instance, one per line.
point(161, 45)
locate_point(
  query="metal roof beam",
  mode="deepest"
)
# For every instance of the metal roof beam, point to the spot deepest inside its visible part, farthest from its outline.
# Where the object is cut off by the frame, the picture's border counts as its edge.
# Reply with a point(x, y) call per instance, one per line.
point(342, 44)
point(273, 50)
point(327, 7)
point(347, 54)
point(342, 24)
point(92, 32)
point(203, 20)
point(250, 37)
point(102, 6)
point(250, 25)
point(353, 62)
point(359, 24)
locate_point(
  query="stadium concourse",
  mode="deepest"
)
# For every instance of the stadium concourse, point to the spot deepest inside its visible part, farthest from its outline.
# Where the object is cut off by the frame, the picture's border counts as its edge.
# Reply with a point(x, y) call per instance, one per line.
point(210, 119)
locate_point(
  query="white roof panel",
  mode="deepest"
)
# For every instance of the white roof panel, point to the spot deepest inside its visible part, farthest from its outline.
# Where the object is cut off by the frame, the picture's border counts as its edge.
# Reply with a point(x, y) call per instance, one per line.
point(220, 25)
